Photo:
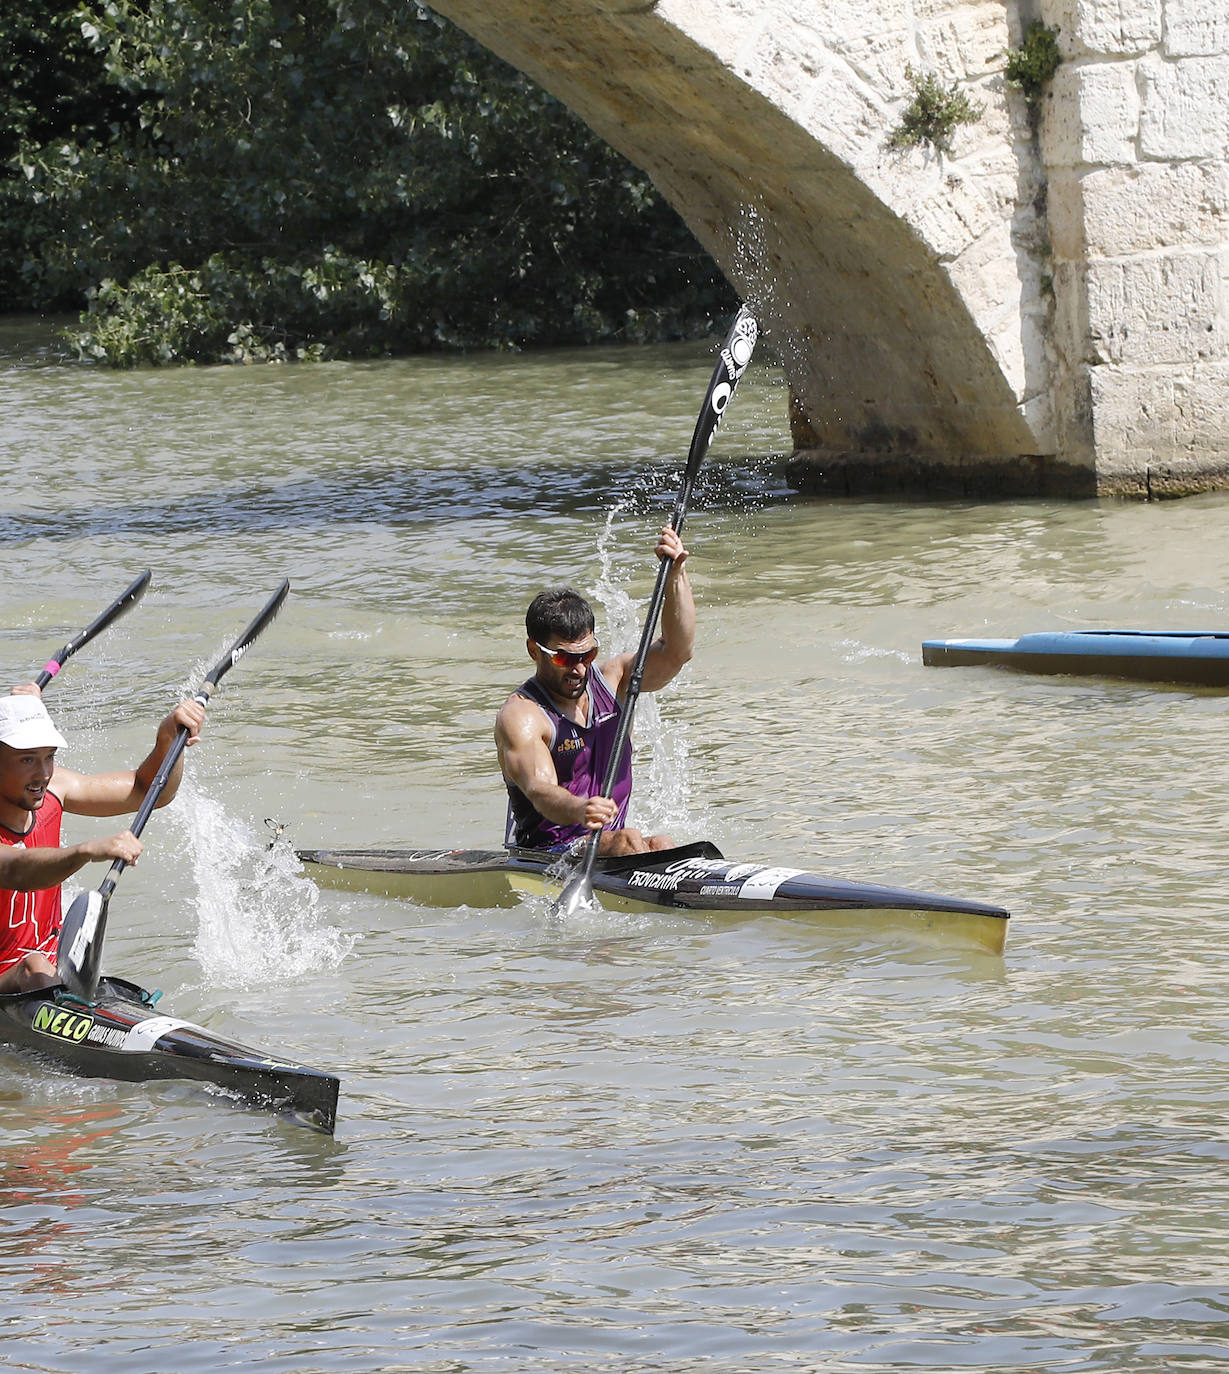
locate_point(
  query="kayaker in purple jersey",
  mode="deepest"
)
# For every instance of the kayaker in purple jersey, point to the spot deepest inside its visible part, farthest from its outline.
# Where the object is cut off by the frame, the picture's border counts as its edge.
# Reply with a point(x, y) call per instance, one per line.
point(555, 732)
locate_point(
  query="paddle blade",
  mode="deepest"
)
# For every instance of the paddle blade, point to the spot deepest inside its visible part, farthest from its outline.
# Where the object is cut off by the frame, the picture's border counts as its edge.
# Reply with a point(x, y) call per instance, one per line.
point(124, 602)
point(732, 362)
point(79, 954)
point(576, 896)
point(245, 641)
point(578, 890)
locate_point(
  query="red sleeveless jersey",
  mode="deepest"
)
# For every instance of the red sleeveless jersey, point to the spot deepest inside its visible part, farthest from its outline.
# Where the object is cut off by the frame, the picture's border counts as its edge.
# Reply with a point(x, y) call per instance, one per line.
point(30, 921)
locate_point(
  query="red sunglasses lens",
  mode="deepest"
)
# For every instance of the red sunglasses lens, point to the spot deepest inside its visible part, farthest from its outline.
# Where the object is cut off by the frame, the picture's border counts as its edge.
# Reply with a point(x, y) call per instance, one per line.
point(568, 658)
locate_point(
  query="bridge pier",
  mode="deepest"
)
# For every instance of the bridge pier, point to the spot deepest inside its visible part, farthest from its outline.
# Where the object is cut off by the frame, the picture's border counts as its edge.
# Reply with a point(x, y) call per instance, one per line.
point(1041, 312)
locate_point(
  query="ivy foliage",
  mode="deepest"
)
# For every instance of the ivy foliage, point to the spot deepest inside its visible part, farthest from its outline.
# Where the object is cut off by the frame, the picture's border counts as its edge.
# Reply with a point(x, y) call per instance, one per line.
point(246, 179)
point(933, 114)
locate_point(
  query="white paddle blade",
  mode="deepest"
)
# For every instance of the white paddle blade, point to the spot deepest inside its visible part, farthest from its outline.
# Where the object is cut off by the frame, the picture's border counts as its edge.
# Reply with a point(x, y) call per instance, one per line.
point(576, 896)
point(80, 949)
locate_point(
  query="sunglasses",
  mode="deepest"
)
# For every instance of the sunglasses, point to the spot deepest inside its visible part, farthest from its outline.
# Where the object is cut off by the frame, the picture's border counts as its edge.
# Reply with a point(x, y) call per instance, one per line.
point(568, 658)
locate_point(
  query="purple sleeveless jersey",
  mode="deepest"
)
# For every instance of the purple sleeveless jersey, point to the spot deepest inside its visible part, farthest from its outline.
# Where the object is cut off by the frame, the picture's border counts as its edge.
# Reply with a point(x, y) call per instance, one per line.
point(580, 754)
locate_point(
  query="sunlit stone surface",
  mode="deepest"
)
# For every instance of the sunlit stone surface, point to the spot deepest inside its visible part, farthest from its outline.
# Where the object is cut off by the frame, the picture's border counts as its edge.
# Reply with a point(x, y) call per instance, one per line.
point(1040, 311)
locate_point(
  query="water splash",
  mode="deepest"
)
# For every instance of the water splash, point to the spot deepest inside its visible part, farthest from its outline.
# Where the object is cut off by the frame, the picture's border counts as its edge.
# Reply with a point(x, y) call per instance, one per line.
point(758, 265)
point(588, 921)
point(257, 915)
point(857, 651)
point(661, 801)
point(756, 257)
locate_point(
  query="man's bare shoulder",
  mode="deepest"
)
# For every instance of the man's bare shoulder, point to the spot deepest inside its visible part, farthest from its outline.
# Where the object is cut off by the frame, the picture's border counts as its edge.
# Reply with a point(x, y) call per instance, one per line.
point(517, 703)
point(519, 716)
point(65, 783)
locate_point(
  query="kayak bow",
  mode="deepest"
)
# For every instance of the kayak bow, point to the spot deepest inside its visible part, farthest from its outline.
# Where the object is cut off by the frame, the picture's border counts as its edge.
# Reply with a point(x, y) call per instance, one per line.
point(1200, 659)
point(116, 1034)
point(692, 880)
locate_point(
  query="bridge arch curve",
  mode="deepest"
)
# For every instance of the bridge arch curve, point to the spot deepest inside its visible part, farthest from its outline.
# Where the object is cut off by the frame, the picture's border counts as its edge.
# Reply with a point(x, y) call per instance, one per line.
point(941, 319)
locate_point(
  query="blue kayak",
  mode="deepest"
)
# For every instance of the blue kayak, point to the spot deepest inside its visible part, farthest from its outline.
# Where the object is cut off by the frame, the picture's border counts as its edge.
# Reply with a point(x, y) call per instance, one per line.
point(1163, 656)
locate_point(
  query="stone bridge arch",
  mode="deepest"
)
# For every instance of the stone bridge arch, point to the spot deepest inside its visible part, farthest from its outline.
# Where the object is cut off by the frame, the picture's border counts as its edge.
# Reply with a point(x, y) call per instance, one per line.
point(1041, 312)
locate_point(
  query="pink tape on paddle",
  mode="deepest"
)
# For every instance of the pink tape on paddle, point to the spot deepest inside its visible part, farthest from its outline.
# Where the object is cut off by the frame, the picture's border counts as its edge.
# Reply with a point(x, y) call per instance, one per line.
point(53, 668)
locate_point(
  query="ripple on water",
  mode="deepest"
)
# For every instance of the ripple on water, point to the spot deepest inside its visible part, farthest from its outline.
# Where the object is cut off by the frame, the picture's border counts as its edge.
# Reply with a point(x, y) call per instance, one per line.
point(612, 1143)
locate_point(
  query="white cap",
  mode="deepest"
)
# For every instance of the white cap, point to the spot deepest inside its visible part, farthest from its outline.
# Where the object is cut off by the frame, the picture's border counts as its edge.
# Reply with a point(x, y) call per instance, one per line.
point(25, 724)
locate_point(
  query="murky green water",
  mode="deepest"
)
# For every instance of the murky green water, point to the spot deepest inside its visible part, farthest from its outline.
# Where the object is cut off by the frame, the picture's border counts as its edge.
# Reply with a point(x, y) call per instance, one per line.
point(625, 1143)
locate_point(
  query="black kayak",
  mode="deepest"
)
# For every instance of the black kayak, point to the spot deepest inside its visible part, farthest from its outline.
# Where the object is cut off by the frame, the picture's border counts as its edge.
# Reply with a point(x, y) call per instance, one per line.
point(695, 879)
point(117, 1034)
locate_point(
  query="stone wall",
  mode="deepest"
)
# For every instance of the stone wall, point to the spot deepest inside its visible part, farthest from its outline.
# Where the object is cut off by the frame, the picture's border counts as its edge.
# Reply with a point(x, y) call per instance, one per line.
point(1135, 142)
point(1041, 311)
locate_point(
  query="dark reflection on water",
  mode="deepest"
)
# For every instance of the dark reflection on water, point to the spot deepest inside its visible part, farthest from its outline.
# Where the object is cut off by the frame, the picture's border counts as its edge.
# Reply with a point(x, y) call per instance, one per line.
point(393, 496)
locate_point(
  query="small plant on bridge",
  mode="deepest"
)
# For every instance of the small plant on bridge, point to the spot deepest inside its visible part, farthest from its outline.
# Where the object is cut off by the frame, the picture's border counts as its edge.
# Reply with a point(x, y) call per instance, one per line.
point(933, 115)
point(1031, 66)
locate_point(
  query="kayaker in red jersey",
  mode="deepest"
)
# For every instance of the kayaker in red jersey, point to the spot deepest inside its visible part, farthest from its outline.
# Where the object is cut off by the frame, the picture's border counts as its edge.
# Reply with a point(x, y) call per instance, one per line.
point(554, 734)
point(34, 790)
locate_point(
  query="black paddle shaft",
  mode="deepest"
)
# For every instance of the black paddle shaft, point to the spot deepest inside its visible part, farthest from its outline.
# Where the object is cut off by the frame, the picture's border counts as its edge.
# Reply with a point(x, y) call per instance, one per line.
point(731, 364)
point(79, 951)
point(124, 602)
point(220, 669)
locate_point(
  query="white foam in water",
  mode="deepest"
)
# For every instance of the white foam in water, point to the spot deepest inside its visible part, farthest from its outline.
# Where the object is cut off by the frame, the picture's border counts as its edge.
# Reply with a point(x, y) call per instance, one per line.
point(855, 651)
point(589, 920)
point(257, 916)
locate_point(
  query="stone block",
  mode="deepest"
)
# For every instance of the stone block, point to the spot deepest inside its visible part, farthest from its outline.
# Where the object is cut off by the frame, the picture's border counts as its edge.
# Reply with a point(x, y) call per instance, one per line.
point(1136, 210)
point(1092, 116)
point(1156, 473)
point(788, 65)
point(1133, 410)
point(1196, 28)
point(1038, 414)
point(846, 117)
point(843, 24)
point(1201, 408)
point(1183, 108)
point(923, 13)
point(1149, 312)
point(1069, 336)
point(1020, 345)
point(873, 56)
point(1065, 212)
point(987, 277)
point(720, 28)
point(958, 211)
point(989, 477)
point(1107, 28)
point(967, 43)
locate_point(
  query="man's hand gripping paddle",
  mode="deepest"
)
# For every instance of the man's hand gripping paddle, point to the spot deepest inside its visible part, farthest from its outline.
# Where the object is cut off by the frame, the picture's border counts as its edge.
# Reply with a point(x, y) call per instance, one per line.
point(731, 364)
point(122, 603)
point(80, 949)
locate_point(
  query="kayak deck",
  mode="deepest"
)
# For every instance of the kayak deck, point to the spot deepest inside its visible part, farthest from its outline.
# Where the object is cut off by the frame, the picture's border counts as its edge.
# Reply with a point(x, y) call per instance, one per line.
point(1198, 659)
point(693, 880)
point(116, 1034)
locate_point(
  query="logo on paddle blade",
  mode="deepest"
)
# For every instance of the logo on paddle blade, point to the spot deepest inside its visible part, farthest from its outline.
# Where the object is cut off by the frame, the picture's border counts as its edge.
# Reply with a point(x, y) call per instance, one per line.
point(738, 353)
point(734, 358)
point(64, 1025)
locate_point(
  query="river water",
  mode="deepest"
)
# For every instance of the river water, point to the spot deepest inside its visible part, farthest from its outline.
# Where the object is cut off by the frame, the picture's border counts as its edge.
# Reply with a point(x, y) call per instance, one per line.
point(616, 1143)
